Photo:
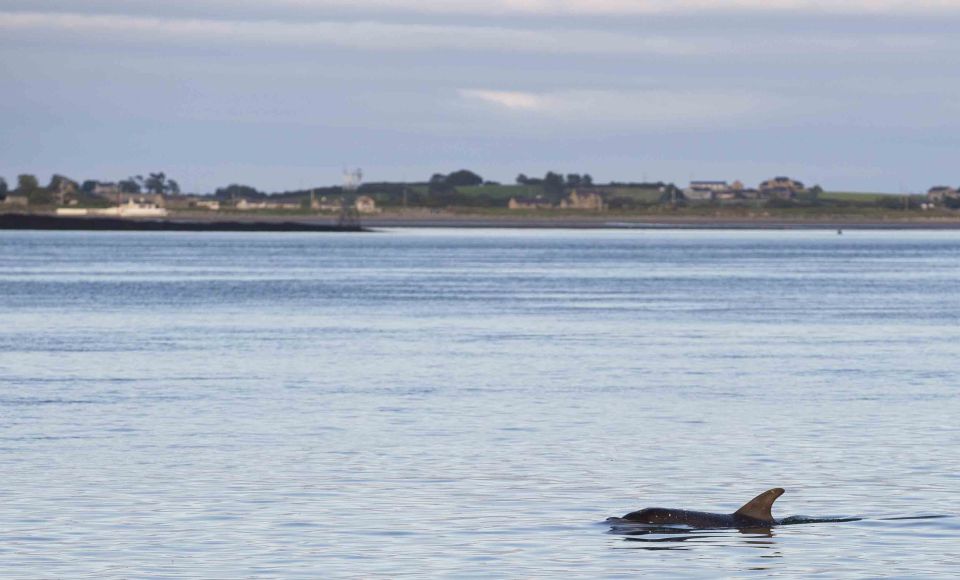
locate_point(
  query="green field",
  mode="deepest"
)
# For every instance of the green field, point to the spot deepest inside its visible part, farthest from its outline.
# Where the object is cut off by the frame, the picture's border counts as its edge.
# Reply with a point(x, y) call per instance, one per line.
point(641, 194)
point(855, 196)
point(501, 191)
point(497, 195)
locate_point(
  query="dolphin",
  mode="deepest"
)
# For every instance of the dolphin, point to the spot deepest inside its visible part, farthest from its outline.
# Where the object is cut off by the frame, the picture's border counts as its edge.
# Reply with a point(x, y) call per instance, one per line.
point(754, 514)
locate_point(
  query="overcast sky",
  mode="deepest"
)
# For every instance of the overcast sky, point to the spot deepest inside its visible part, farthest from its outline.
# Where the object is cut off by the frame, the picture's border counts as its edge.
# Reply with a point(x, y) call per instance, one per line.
point(282, 94)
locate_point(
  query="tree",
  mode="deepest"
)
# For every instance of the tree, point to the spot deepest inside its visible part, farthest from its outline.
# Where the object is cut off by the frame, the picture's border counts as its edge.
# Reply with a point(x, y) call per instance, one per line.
point(62, 184)
point(672, 195)
point(553, 185)
point(88, 186)
point(438, 184)
point(61, 187)
point(29, 186)
point(462, 178)
point(528, 181)
point(4, 189)
point(574, 180)
point(173, 188)
point(237, 191)
point(587, 180)
point(155, 183)
point(130, 185)
point(810, 196)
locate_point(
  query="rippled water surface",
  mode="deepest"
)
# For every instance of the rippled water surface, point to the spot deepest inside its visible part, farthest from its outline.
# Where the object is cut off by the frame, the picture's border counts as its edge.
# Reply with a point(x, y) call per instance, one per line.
point(476, 403)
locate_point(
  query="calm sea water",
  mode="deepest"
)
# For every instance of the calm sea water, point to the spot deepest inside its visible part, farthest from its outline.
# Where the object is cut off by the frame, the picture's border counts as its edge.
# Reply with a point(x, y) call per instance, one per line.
point(475, 403)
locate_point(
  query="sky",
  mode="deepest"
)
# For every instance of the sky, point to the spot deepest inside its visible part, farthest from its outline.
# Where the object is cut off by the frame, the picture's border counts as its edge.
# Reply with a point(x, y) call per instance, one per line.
point(859, 95)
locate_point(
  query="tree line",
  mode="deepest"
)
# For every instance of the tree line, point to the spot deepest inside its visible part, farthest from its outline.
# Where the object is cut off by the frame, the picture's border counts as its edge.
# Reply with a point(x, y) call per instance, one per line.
point(61, 187)
point(462, 187)
point(440, 190)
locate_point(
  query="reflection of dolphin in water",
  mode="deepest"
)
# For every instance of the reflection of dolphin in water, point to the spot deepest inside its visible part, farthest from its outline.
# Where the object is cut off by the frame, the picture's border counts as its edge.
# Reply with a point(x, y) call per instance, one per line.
point(754, 514)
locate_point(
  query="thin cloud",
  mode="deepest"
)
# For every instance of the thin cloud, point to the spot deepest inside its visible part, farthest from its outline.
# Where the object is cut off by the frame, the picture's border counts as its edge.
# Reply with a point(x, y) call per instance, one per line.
point(523, 7)
point(353, 35)
point(381, 36)
point(644, 106)
point(643, 7)
point(512, 100)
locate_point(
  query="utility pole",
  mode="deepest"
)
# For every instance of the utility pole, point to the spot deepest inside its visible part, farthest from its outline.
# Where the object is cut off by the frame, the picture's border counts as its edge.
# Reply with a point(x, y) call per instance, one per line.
point(349, 216)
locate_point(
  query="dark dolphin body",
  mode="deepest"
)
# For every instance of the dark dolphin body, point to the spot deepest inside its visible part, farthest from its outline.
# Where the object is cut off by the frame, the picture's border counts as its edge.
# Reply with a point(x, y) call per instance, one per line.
point(754, 514)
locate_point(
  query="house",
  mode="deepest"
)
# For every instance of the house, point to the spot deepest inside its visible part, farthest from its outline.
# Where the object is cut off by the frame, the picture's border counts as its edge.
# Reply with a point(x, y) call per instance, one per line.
point(938, 193)
point(245, 205)
point(72, 211)
point(138, 199)
point(366, 204)
point(15, 201)
point(717, 191)
point(705, 190)
point(210, 204)
point(64, 189)
point(324, 204)
point(777, 193)
point(363, 204)
point(709, 185)
point(589, 200)
point(132, 208)
point(181, 202)
point(144, 200)
point(698, 193)
point(138, 206)
point(781, 187)
point(726, 195)
point(538, 202)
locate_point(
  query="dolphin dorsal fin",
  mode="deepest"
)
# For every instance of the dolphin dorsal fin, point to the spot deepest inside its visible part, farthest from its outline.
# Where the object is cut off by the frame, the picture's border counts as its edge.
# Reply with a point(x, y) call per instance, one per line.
point(758, 508)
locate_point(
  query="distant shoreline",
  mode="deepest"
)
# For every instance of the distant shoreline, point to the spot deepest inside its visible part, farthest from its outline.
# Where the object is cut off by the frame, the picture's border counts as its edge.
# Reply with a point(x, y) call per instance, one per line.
point(656, 223)
point(205, 221)
point(50, 222)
